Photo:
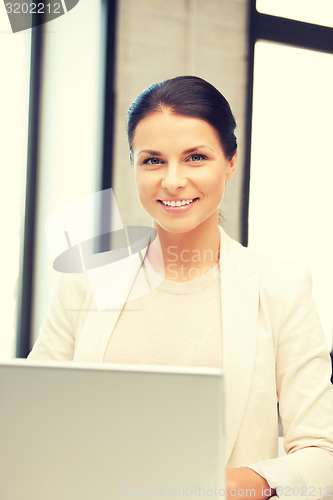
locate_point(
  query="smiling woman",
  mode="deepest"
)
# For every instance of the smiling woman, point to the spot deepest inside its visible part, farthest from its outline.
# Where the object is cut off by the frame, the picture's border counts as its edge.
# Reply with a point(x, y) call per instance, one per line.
point(209, 301)
point(183, 147)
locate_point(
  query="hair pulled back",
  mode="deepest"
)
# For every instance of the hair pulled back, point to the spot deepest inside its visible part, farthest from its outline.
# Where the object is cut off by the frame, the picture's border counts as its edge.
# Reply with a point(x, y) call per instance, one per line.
point(187, 96)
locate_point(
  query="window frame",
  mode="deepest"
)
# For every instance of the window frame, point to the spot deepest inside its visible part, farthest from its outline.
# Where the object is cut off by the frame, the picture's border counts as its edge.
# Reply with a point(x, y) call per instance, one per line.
point(26, 272)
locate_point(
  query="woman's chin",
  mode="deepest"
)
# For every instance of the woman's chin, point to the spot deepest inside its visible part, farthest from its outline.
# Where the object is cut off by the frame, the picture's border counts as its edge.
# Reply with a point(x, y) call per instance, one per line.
point(180, 227)
point(173, 228)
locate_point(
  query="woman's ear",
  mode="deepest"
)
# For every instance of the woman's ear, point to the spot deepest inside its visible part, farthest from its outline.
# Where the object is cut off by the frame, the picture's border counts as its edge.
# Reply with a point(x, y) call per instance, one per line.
point(232, 167)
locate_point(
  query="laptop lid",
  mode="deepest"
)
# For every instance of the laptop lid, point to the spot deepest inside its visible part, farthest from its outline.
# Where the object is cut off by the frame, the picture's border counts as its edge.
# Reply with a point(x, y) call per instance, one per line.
point(71, 431)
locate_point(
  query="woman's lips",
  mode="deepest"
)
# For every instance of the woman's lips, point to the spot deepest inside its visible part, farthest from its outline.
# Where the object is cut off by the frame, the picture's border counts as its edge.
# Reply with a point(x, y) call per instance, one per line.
point(177, 208)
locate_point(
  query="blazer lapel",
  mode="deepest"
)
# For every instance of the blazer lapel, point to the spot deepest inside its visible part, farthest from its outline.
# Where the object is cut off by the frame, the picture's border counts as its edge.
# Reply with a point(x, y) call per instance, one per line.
point(111, 286)
point(240, 302)
point(93, 340)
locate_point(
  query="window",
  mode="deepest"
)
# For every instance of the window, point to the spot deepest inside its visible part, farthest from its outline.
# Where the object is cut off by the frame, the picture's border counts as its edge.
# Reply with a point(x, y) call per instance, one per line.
point(318, 12)
point(290, 201)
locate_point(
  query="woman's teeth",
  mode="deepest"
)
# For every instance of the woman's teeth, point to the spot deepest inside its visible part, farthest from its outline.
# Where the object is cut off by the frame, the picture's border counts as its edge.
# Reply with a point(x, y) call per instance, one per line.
point(176, 203)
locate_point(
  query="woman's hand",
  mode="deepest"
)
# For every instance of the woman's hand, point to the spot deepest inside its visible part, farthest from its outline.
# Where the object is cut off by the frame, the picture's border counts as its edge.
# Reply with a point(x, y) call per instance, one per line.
point(245, 483)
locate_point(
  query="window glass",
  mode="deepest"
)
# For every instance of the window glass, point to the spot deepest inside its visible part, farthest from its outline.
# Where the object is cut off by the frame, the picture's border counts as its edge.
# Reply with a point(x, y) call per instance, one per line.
point(70, 130)
point(309, 11)
point(14, 97)
point(291, 202)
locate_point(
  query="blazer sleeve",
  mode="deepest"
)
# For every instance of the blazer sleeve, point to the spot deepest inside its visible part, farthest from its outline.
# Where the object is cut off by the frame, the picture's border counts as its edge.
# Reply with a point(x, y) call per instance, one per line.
point(305, 394)
point(66, 312)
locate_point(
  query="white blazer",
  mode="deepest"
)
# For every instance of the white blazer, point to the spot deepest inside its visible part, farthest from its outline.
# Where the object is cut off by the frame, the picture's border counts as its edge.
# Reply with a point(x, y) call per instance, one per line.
point(273, 347)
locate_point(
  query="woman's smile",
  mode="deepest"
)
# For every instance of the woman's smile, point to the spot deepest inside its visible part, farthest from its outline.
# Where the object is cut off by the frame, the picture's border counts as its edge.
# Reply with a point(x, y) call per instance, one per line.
point(178, 206)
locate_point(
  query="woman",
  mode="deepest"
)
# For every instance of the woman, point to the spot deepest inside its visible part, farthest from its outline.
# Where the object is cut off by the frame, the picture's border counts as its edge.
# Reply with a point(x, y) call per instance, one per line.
point(218, 304)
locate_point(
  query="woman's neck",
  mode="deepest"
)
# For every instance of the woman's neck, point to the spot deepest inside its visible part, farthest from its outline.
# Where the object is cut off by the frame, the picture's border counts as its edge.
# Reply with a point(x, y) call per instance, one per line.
point(185, 255)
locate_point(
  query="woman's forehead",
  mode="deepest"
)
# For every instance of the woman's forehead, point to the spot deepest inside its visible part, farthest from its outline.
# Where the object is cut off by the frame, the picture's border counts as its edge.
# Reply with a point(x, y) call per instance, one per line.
point(161, 127)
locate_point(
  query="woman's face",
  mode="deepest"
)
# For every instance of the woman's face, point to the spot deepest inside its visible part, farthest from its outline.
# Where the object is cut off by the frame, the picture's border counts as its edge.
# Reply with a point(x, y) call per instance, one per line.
point(180, 170)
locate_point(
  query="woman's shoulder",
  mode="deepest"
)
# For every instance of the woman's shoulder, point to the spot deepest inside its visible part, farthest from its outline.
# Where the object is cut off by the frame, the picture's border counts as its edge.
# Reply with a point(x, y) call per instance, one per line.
point(276, 274)
point(74, 290)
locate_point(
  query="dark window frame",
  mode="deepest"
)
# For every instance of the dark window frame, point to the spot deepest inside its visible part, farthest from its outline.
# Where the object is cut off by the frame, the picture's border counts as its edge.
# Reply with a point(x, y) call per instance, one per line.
point(26, 274)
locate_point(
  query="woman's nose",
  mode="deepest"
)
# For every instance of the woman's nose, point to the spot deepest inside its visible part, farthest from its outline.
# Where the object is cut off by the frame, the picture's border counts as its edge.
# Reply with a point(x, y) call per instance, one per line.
point(174, 178)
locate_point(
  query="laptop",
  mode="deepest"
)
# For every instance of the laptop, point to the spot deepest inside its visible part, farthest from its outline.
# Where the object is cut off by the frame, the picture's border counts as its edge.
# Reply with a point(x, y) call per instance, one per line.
point(72, 431)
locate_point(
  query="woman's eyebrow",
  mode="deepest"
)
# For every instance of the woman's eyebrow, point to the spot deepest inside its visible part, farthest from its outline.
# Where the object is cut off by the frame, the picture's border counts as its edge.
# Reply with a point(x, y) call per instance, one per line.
point(192, 150)
point(151, 152)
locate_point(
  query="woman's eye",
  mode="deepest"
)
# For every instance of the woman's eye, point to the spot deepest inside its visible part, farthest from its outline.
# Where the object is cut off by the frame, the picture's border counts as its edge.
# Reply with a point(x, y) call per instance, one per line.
point(152, 161)
point(197, 157)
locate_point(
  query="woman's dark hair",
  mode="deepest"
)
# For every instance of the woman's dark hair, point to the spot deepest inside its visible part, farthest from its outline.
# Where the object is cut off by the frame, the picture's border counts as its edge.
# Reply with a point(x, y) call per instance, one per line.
point(188, 96)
